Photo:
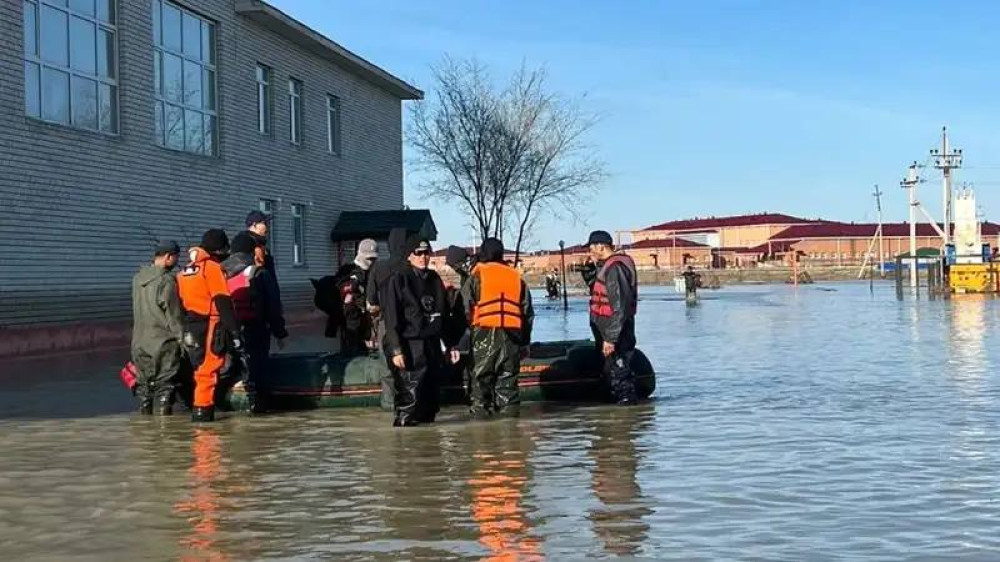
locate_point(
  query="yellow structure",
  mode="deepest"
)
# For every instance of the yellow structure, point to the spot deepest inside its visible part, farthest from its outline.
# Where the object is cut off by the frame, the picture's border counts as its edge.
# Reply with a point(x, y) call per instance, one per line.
point(974, 278)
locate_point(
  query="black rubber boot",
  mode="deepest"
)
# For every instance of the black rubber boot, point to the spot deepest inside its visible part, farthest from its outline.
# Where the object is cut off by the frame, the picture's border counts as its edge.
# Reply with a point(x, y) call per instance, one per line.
point(145, 406)
point(165, 405)
point(203, 414)
point(255, 404)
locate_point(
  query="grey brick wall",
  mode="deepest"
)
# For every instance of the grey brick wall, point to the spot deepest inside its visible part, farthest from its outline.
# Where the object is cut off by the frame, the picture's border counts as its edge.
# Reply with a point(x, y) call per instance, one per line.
point(78, 209)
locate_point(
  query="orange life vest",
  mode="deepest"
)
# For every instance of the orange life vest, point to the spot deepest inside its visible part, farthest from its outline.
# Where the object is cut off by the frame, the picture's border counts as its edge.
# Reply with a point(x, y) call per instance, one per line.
point(200, 282)
point(600, 305)
point(499, 304)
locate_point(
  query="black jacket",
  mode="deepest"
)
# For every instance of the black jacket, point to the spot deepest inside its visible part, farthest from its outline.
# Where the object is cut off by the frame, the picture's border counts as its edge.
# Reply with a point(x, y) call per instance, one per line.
point(382, 270)
point(414, 307)
point(262, 242)
point(622, 296)
point(263, 291)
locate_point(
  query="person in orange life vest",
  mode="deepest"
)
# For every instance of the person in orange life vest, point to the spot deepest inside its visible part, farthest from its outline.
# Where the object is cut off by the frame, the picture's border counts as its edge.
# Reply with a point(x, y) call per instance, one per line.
point(501, 316)
point(254, 292)
point(614, 294)
point(211, 328)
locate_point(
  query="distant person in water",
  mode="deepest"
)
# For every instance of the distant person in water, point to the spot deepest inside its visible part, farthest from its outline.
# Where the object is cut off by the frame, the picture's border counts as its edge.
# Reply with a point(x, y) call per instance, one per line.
point(614, 294)
point(552, 284)
point(692, 282)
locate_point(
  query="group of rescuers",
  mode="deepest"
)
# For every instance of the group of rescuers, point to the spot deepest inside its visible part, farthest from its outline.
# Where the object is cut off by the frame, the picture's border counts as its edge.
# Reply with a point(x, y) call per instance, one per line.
point(217, 316)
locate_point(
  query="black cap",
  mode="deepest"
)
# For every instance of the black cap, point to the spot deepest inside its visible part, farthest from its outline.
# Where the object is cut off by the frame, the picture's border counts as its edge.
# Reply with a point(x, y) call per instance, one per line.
point(600, 237)
point(255, 217)
point(417, 242)
point(215, 241)
point(167, 247)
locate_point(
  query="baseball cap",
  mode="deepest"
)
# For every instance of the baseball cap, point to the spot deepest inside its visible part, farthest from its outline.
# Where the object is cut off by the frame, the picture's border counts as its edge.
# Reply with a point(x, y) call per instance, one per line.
point(165, 247)
point(367, 249)
point(255, 217)
point(600, 237)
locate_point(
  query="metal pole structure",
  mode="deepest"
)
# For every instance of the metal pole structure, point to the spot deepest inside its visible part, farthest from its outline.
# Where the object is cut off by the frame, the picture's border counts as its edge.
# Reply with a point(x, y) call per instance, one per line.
point(946, 160)
point(878, 211)
point(910, 185)
point(562, 257)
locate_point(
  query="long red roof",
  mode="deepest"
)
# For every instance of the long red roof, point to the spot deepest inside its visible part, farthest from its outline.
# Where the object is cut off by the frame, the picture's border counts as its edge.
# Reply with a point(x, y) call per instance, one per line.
point(866, 230)
point(665, 243)
point(738, 220)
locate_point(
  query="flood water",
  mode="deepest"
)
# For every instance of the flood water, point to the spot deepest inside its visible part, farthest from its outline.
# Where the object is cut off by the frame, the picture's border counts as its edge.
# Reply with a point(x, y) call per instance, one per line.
point(816, 423)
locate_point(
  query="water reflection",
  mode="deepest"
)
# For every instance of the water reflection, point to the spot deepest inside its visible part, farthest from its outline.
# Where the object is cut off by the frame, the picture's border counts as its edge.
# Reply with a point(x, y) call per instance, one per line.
point(500, 476)
point(202, 506)
point(619, 519)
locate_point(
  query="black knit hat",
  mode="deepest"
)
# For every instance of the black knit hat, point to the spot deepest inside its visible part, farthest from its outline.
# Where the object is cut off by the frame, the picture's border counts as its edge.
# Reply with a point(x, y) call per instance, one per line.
point(243, 243)
point(455, 256)
point(491, 251)
point(215, 241)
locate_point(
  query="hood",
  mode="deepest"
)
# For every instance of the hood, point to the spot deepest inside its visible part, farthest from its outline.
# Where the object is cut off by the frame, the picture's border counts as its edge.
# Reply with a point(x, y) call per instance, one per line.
point(150, 274)
point(397, 243)
point(236, 263)
point(198, 254)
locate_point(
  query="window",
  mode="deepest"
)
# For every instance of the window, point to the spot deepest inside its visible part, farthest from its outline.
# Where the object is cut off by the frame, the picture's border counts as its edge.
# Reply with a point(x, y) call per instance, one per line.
point(185, 110)
point(298, 235)
point(70, 74)
point(263, 100)
point(295, 111)
point(269, 207)
point(333, 124)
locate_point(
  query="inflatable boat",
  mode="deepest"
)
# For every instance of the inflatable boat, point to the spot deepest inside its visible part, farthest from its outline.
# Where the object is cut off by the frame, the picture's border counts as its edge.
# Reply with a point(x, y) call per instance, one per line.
point(569, 371)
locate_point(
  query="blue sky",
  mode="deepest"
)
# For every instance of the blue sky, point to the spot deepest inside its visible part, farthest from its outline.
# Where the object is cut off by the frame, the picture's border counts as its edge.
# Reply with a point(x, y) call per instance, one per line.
point(721, 106)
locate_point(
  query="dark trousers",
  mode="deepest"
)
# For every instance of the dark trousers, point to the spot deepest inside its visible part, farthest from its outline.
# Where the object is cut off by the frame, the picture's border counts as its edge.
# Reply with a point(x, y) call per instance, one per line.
point(257, 343)
point(158, 375)
point(497, 361)
point(418, 387)
point(617, 366)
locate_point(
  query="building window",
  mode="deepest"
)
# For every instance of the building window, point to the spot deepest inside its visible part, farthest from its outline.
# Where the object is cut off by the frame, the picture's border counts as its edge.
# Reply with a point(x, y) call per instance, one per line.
point(185, 110)
point(295, 111)
point(298, 235)
point(70, 63)
point(333, 124)
point(263, 100)
point(269, 207)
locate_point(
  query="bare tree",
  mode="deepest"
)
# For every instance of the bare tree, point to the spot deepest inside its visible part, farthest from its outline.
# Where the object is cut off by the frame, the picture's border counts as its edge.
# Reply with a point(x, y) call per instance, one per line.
point(504, 154)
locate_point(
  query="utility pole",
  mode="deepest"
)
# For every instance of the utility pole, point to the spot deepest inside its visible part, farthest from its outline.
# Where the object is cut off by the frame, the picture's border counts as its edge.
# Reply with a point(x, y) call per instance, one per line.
point(946, 159)
point(910, 185)
point(878, 232)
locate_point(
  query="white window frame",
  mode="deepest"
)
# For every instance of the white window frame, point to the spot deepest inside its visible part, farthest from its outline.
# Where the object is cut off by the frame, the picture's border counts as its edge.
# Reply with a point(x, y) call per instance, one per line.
point(265, 110)
point(270, 208)
point(207, 66)
point(34, 58)
point(298, 235)
point(333, 124)
point(295, 111)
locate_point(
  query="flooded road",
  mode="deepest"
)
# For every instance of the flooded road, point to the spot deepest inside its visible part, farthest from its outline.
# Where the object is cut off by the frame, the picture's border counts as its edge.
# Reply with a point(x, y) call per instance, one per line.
point(814, 423)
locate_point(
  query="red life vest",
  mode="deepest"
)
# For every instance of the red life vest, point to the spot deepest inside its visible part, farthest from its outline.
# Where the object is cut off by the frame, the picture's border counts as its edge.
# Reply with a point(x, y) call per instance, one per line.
point(239, 290)
point(599, 303)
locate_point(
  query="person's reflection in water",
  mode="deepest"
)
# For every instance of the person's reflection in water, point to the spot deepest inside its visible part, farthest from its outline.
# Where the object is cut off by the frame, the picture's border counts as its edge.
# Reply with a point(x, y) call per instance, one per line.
point(618, 521)
point(202, 506)
point(499, 479)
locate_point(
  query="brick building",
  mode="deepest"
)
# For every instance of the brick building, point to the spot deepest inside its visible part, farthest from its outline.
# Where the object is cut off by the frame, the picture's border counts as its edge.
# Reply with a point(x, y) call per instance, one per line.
point(125, 121)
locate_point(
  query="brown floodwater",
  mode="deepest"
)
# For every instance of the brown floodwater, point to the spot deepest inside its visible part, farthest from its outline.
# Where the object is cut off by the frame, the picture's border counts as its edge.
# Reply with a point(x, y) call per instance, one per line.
point(788, 424)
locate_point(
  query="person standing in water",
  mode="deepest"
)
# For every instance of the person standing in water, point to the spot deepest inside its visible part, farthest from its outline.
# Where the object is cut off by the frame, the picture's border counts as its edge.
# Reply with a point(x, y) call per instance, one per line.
point(614, 295)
